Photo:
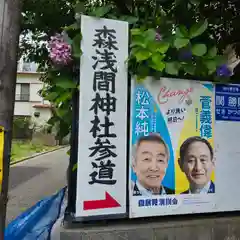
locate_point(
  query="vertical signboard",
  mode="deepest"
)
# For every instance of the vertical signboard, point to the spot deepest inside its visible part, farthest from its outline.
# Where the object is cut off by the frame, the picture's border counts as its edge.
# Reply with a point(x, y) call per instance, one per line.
point(227, 132)
point(172, 148)
point(227, 102)
point(101, 177)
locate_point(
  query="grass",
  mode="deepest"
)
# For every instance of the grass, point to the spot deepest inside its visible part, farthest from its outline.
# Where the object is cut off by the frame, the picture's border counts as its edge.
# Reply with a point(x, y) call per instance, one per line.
point(23, 149)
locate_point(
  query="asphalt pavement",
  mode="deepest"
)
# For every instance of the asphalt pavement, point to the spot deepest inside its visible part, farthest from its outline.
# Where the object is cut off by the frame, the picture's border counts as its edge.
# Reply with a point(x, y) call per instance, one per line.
point(34, 179)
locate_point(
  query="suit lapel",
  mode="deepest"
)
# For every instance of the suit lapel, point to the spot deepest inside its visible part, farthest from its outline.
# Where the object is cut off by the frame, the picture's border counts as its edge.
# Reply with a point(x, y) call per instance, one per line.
point(211, 188)
point(136, 191)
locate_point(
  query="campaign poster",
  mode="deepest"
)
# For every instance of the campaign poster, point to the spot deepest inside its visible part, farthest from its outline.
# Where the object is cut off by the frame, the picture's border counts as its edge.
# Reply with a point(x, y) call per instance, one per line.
point(227, 102)
point(227, 151)
point(172, 162)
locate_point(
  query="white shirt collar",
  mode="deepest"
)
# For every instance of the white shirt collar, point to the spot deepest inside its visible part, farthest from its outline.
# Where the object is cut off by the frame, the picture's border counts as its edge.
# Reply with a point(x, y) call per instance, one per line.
point(205, 189)
point(148, 193)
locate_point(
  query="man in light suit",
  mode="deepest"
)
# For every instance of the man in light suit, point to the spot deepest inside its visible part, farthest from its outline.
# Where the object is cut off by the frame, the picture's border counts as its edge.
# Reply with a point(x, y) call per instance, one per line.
point(150, 163)
point(197, 162)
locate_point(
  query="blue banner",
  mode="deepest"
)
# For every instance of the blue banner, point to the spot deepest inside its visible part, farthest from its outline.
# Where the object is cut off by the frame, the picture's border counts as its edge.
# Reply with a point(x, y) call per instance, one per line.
point(227, 102)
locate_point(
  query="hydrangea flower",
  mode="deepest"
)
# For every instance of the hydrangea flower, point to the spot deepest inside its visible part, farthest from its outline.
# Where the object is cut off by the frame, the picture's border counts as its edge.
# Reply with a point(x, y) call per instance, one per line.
point(185, 54)
point(223, 71)
point(158, 37)
point(60, 51)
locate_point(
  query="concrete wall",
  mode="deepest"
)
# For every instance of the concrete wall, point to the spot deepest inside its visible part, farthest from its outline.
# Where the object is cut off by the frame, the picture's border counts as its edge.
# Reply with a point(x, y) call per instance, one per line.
point(45, 115)
point(34, 89)
point(22, 109)
point(207, 228)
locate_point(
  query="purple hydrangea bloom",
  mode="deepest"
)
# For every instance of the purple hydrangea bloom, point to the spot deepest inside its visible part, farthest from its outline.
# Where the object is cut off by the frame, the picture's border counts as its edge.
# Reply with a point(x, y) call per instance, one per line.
point(60, 51)
point(223, 71)
point(158, 37)
point(185, 54)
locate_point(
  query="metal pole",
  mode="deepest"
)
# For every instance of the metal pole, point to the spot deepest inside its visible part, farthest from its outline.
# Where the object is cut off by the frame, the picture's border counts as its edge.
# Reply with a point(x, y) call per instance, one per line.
point(10, 13)
point(72, 173)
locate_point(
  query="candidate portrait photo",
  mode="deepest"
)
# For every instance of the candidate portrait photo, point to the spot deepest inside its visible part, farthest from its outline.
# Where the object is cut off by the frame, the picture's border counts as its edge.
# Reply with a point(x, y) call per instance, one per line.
point(196, 161)
point(149, 163)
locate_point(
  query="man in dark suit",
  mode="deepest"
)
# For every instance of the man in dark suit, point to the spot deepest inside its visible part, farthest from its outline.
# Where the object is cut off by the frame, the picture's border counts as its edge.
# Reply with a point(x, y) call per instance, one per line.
point(210, 188)
point(197, 162)
point(150, 163)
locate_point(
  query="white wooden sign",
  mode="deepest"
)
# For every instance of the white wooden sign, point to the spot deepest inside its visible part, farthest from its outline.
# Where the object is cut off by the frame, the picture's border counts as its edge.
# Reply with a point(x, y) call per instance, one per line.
point(102, 168)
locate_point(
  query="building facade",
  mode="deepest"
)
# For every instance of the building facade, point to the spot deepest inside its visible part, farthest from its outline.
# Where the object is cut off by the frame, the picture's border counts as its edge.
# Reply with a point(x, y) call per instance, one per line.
point(28, 102)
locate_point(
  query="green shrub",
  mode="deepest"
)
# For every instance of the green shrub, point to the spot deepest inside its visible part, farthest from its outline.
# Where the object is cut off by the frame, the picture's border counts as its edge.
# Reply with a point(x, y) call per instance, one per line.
point(22, 127)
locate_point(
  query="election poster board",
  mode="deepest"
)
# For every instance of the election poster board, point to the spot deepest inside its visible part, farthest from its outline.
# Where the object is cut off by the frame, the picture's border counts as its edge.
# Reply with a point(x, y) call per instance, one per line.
point(102, 157)
point(172, 161)
point(184, 154)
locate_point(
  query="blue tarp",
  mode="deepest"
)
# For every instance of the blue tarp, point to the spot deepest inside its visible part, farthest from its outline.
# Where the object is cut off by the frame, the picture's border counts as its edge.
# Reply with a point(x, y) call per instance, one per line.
point(37, 222)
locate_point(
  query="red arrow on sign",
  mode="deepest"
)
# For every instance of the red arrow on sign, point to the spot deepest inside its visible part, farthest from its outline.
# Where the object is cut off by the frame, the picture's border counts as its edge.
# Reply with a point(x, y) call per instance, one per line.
point(108, 202)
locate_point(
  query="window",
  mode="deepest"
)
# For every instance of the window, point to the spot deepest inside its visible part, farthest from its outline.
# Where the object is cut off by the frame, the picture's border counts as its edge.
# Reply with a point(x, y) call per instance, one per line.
point(23, 92)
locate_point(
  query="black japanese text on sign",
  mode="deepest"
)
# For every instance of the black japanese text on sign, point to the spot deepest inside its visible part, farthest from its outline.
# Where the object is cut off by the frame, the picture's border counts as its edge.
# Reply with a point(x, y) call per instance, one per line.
point(103, 152)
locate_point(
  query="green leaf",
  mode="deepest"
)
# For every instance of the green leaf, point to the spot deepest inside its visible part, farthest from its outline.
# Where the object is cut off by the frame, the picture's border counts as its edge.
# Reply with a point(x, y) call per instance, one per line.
point(181, 42)
point(73, 26)
point(140, 78)
point(182, 32)
point(198, 28)
point(199, 49)
point(136, 31)
point(212, 52)
point(195, 2)
point(157, 62)
point(51, 96)
point(67, 39)
point(77, 52)
point(112, 16)
point(160, 66)
point(61, 112)
point(220, 59)
point(142, 54)
point(211, 66)
point(129, 19)
point(150, 35)
point(172, 68)
point(80, 8)
point(189, 68)
point(157, 75)
point(66, 95)
point(65, 83)
point(133, 51)
point(138, 40)
point(151, 46)
point(142, 72)
point(52, 120)
point(157, 57)
point(162, 47)
point(102, 11)
point(138, 44)
point(189, 6)
point(74, 167)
